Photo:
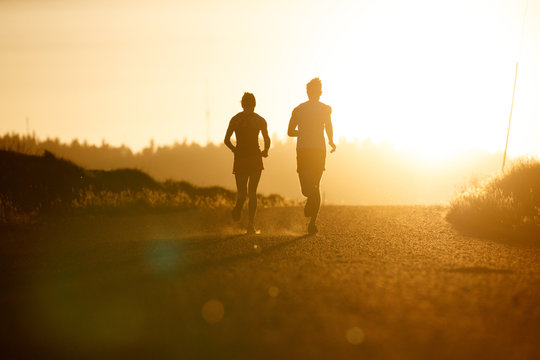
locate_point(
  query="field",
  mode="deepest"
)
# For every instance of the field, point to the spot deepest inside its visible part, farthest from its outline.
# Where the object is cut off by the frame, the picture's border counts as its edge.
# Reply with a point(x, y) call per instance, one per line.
point(376, 282)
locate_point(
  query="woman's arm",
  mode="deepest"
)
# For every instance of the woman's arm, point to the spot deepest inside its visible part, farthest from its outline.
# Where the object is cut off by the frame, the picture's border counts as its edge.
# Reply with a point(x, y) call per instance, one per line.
point(266, 138)
point(228, 135)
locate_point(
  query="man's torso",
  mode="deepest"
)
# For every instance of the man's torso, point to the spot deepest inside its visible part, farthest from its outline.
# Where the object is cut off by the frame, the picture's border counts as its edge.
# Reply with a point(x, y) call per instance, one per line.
point(311, 117)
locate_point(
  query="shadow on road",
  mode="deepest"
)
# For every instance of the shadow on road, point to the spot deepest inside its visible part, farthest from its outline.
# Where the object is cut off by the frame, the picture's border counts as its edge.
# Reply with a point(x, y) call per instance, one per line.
point(200, 253)
point(479, 270)
point(518, 238)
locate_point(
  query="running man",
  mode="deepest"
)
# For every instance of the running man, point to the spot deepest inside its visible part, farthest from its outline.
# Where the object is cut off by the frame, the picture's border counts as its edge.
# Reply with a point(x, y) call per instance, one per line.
point(248, 163)
point(308, 122)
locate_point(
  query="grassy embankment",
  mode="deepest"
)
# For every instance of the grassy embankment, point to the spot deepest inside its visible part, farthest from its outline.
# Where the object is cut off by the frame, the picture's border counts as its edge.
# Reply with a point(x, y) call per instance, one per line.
point(505, 206)
point(32, 187)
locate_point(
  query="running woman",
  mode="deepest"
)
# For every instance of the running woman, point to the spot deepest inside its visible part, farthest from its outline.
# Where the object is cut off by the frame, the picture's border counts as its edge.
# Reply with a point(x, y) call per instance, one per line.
point(248, 165)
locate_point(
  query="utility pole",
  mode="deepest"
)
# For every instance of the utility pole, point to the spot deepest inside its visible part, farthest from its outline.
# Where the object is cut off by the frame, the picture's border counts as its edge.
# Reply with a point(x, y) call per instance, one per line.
point(510, 120)
point(207, 115)
point(515, 81)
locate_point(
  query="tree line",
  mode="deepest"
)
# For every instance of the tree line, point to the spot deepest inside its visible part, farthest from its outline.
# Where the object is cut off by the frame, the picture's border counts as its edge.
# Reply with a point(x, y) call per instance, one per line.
point(358, 173)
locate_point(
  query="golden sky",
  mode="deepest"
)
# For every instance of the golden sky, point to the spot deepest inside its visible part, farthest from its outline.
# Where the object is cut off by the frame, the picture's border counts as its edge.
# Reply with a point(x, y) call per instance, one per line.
point(433, 76)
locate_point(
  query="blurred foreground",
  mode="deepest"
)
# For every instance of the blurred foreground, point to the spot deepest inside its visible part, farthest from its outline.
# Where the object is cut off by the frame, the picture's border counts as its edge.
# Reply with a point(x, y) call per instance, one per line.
point(377, 282)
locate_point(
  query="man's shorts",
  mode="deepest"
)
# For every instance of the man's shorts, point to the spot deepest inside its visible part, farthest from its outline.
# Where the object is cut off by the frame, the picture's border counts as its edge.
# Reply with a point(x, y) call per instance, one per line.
point(310, 160)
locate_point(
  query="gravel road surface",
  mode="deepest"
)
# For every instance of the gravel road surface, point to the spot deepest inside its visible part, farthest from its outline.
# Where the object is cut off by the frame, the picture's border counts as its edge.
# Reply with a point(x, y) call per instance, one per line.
point(375, 283)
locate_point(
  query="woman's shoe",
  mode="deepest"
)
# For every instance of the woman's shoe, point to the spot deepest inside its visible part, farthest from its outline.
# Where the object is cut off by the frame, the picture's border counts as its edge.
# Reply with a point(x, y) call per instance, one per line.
point(312, 229)
point(236, 213)
point(251, 230)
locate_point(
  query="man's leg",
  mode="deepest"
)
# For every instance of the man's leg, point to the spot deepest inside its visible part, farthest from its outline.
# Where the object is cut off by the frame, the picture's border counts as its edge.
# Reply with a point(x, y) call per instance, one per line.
point(309, 183)
point(306, 186)
point(252, 194)
point(315, 195)
point(241, 187)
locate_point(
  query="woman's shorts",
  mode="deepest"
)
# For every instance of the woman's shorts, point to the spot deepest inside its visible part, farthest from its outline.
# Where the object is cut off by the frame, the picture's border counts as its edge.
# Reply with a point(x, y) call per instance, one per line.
point(247, 164)
point(310, 160)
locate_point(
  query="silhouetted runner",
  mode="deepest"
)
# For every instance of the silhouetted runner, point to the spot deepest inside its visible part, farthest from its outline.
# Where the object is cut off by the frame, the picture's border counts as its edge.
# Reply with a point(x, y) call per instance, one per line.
point(248, 163)
point(308, 122)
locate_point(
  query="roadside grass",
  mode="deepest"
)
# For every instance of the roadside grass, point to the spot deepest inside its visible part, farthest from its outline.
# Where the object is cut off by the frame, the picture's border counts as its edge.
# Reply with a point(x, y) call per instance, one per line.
point(506, 206)
point(33, 187)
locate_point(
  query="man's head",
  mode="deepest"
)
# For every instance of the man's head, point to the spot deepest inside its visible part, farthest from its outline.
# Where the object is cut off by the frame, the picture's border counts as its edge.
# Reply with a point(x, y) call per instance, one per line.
point(248, 102)
point(314, 89)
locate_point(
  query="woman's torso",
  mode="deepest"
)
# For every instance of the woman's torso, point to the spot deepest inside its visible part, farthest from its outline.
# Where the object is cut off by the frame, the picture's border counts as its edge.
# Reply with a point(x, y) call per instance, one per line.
point(247, 126)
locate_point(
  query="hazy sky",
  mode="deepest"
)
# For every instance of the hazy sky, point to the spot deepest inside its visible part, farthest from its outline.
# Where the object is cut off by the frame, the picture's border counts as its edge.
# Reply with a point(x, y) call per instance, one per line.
point(436, 76)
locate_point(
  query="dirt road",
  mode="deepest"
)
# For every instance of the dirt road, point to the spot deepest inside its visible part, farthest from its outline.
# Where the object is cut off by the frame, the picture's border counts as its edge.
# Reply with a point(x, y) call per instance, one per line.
point(376, 283)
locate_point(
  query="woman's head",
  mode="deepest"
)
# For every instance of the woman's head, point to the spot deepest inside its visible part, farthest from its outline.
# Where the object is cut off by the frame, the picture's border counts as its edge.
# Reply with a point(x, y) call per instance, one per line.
point(248, 101)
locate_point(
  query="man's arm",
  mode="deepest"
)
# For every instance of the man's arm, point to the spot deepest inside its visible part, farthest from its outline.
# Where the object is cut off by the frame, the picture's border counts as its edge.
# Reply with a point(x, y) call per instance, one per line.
point(228, 135)
point(293, 124)
point(266, 138)
point(330, 131)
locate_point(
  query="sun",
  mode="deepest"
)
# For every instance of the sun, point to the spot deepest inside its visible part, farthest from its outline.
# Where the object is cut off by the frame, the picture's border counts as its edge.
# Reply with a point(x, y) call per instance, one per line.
point(418, 81)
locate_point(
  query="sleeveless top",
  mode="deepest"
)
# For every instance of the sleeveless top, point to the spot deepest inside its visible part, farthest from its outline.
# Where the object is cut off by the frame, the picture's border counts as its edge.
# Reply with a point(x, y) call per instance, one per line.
point(247, 126)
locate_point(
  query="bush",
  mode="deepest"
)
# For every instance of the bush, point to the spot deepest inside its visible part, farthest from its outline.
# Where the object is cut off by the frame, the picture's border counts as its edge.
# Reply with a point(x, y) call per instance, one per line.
point(32, 185)
point(508, 204)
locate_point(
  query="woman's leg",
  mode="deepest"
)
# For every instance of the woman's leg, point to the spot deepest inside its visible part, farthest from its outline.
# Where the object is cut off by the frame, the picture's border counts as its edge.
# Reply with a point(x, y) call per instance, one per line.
point(241, 188)
point(252, 194)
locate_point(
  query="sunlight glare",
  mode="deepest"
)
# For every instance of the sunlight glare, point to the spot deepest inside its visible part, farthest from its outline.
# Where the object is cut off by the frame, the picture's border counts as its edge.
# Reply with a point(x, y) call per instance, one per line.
point(420, 81)
point(355, 335)
point(213, 311)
